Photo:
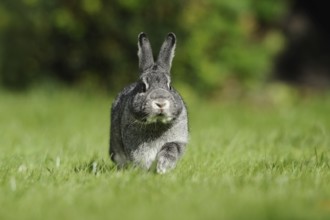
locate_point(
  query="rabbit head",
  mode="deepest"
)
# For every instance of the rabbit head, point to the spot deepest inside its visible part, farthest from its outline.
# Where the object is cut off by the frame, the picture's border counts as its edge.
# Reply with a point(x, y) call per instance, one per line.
point(155, 101)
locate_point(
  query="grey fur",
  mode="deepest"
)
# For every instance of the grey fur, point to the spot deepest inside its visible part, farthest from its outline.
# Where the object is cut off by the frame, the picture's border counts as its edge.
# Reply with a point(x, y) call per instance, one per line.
point(149, 118)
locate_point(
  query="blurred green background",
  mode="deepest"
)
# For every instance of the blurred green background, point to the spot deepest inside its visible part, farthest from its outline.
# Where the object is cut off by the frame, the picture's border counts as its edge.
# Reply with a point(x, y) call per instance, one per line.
point(257, 150)
point(221, 43)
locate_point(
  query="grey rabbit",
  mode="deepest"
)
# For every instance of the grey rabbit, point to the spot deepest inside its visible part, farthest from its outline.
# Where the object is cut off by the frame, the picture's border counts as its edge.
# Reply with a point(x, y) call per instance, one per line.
point(149, 123)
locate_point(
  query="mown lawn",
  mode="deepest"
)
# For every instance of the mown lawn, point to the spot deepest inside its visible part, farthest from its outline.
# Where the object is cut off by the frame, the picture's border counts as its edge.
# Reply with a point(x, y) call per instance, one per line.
point(245, 160)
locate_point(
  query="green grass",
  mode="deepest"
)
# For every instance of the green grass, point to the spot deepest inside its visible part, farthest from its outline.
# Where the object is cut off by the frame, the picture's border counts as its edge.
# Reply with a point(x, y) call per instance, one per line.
point(245, 160)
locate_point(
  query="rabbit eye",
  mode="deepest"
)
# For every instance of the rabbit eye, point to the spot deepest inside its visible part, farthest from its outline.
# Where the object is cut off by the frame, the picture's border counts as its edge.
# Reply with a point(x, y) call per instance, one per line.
point(143, 87)
point(169, 86)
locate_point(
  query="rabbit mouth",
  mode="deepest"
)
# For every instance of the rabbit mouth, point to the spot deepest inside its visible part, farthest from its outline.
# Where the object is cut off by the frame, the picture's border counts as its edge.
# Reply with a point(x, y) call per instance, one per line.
point(161, 118)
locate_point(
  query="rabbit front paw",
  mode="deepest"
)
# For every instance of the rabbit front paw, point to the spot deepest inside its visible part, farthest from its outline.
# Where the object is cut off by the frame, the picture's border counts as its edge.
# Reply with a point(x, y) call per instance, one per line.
point(164, 164)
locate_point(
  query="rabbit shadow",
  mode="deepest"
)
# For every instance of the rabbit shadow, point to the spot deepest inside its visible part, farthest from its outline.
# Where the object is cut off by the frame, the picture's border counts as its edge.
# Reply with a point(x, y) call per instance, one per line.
point(95, 166)
point(101, 166)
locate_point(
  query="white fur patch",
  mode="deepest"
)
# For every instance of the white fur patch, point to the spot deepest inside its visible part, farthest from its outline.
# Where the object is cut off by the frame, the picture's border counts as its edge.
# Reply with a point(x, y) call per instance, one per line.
point(146, 154)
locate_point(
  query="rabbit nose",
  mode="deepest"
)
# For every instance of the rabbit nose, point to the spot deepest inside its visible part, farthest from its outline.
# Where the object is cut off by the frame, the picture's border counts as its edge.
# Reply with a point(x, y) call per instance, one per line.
point(160, 104)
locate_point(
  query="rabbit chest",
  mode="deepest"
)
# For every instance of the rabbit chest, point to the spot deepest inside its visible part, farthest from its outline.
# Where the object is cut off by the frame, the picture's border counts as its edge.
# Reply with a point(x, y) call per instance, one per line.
point(142, 142)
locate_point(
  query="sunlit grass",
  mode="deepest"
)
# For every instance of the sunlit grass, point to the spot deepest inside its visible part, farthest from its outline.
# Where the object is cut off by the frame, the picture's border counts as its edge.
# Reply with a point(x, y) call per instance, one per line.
point(245, 160)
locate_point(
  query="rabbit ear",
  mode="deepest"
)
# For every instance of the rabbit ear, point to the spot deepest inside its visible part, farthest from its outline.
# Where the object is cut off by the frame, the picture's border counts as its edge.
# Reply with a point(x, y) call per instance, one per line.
point(166, 53)
point(146, 59)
